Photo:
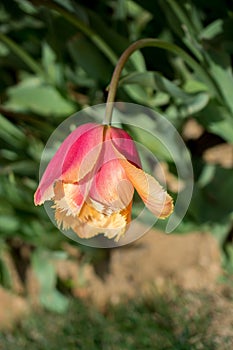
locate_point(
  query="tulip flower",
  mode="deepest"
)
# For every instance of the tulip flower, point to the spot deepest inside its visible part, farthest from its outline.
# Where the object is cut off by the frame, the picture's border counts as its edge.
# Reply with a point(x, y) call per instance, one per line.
point(91, 180)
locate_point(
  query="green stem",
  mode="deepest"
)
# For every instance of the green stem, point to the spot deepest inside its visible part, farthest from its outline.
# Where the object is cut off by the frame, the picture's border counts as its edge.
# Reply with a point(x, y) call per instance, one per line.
point(28, 60)
point(154, 43)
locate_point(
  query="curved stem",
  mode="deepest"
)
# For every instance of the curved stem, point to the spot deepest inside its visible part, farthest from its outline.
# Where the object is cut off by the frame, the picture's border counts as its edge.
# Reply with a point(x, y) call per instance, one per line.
point(153, 43)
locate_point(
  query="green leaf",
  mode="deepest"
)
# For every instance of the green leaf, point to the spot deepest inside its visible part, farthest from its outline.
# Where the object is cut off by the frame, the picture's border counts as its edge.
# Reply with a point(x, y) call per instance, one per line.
point(220, 68)
point(32, 95)
point(139, 87)
point(4, 51)
point(192, 86)
point(85, 54)
point(189, 103)
point(212, 30)
point(207, 175)
point(27, 7)
point(138, 61)
point(10, 133)
point(160, 99)
point(23, 167)
point(216, 119)
point(9, 224)
point(22, 54)
point(8, 154)
point(145, 79)
point(182, 14)
point(45, 271)
point(52, 299)
point(156, 81)
point(213, 203)
point(222, 128)
point(194, 104)
point(181, 21)
point(114, 43)
point(139, 95)
point(221, 231)
point(48, 61)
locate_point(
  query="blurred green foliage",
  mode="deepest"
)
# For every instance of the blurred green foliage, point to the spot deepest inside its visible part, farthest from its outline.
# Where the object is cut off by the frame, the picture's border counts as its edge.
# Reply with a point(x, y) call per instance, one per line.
point(57, 57)
point(157, 324)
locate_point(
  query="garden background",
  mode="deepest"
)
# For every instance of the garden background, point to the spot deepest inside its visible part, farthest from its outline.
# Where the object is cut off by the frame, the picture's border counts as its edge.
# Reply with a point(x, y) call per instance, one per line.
point(56, 58)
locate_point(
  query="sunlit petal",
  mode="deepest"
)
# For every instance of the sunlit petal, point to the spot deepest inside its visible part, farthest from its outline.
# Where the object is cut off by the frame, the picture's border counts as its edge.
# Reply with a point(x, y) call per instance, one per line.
point(111, 186)
point(65, 165)
point(90, 222)
point(69, 197)
point(153, 195)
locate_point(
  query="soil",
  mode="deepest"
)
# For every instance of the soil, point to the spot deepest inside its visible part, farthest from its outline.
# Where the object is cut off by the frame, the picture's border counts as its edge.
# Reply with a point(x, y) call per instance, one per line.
point(154, 262)
point(157, 260)
point(12, 307)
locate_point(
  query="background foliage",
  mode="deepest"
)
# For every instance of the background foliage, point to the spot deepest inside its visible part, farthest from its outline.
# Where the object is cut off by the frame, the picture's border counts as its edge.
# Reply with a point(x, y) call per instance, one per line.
point(56, 57)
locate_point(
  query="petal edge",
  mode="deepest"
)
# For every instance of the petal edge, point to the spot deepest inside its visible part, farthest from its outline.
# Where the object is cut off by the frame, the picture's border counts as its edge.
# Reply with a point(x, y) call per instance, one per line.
point(156, 199)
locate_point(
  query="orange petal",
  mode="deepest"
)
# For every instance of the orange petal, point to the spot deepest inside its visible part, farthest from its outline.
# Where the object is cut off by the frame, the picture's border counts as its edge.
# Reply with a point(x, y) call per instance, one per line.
point(153, 195)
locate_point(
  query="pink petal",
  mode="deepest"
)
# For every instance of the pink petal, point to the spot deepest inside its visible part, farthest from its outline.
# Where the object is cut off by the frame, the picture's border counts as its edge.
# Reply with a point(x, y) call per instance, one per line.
point(123, 142)
point(110, 186)
point(75, 158)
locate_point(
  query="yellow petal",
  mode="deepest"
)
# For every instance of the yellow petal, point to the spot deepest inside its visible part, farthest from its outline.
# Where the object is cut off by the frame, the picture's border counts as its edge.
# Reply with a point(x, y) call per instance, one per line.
point(90, 222)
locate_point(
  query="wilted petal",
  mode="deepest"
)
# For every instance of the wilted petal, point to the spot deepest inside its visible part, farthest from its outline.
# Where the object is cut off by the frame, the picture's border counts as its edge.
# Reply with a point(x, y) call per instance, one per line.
point(153, 195)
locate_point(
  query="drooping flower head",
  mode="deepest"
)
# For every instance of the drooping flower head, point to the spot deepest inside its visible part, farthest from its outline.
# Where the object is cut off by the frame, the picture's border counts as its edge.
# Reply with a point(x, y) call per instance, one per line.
point(91, 180)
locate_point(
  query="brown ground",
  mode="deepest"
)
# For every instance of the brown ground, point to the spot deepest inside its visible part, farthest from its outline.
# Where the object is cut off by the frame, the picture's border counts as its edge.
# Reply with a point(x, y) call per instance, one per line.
point(156, 261)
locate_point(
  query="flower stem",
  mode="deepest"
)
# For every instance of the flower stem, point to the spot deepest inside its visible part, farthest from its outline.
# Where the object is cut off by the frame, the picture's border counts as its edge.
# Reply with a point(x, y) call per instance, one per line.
point(159, 44)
